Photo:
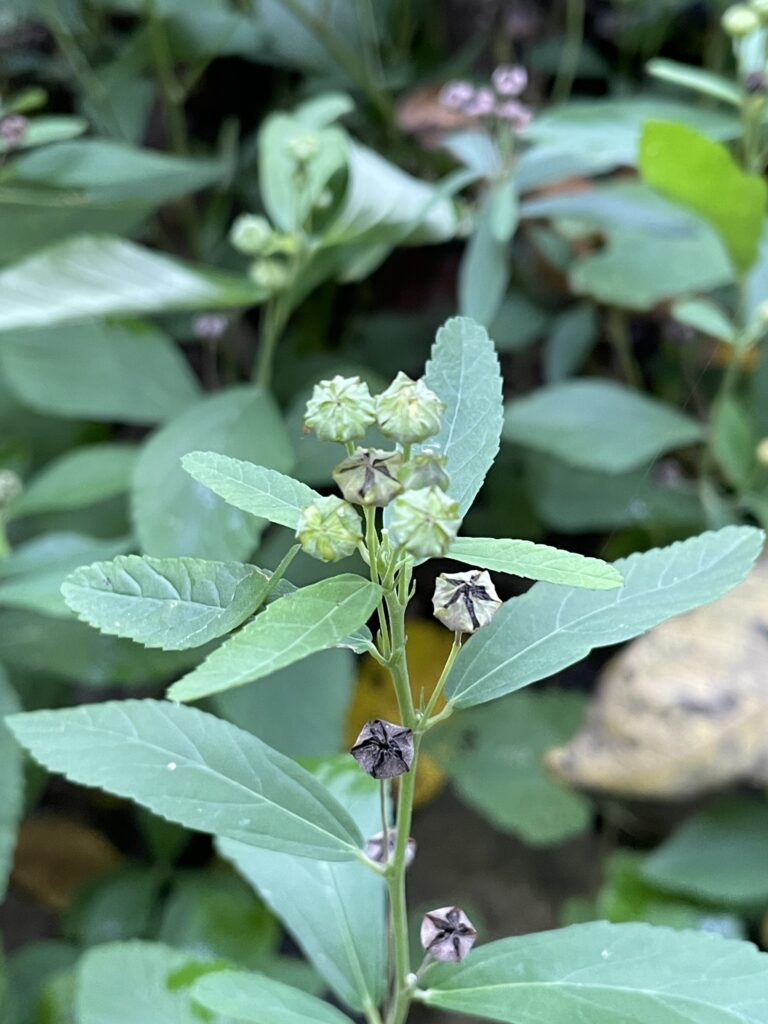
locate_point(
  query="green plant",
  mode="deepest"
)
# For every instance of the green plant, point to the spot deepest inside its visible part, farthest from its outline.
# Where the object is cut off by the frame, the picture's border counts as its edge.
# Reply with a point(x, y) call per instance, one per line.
point(292, 830)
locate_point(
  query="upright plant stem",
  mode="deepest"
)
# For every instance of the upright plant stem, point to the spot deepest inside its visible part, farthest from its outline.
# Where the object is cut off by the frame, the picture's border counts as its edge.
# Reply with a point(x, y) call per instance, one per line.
point(575, 11)
point(618, 332)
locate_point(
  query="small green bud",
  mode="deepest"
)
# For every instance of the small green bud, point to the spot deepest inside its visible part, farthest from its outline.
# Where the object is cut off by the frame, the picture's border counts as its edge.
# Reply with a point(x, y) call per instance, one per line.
point(739, 21)
point(369, 477)
point(760, 8)
point(408, 411)
point(427, 469)
point(329, 529)
point(250, 234)
point(303, 147)
point(340, 409)
point(465, 601)
point(10, 487)
point(272, 275)
point(425, 522)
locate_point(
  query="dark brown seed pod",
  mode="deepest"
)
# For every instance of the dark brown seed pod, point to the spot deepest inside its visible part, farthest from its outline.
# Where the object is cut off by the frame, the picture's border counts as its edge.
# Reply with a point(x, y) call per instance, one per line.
point(383, 749)
point(374, 847)
point(447, 934)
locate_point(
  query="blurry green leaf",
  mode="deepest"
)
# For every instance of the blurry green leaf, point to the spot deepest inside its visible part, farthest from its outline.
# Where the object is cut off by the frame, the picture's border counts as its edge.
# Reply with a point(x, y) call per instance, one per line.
point(261, 1000)
point(311, 619)
point(90, 277)
point(597, 424)
point(535, 562)
point(129, 983)
point(571, 339)
point(171, 603)
point(550, 627)
point(463, 370)
point(255, 489)
point(12, 804)
point(484, 270)
point(81, 477)
point(335, 912)
point(174, 515)
point(701, 174)
point(192, 768)
point(697, 79)
point(317, 690)
point(612, 972)
point(622, 204)
point(518, 323)
point(114, 907)
point(122, 371)
point(733, 441)
point(705, 317)
point(29, 971)
point(717, 855)
point(493, 757)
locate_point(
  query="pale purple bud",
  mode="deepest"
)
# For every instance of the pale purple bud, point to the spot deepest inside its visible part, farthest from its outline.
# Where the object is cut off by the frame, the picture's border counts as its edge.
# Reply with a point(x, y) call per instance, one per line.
point(374, 847)
point(509, 80)
point(209, 326)
point(13, 128)
point(383, 749)
point(481, 104)
point(447, 934)
point(518, 115)
point(455, 95)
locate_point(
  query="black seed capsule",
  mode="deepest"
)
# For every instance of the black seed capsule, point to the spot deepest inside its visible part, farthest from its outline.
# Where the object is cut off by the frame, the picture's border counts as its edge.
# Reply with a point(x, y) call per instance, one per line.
point(447, 934)
point(384, 750)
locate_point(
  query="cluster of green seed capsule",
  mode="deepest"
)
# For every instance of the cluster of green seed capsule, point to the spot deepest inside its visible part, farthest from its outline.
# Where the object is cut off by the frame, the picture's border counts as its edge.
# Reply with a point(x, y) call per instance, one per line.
point(423, 519)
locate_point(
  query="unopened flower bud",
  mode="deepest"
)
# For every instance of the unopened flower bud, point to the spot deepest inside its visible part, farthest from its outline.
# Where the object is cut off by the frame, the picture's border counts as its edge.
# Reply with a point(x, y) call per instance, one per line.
point(762, 452)
point(13, 129)
point(10, 487)
point(250, 234)
point(447, 934)
point(303, 147)
point(272, 275)
point(481, 104)
point(383, 749)
point(369, 476)
point(739, 21)
point(425, 522)
point(516, 113)
point(340, 409)
point(465, 601)
point(455, 95)
point(509, 80)
point(427, 469)
point(408, 411)
point(209, 326)
point(374, 847)
point(329, 529)
point(760, 7)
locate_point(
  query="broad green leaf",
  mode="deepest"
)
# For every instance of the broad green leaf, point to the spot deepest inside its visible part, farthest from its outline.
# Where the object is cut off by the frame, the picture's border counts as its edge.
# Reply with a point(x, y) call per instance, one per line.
point(717, 855)
point(137, 983)
point(308, 620)
point(463, 370)
point(173, 514)
point(171, 603)
point(622, 204)
point(597, 424)
point(535, 562)
point(114, 907)
point(32, 575)
point(546, 629)
point(95, 276)
point(81, 477)
point(335, 912)
point(118, 371)
point(493, 757)
point(706, 317)
point(12, 804)
point(194, 769)
point(261, 1000)
point(30, 970)
point(607, 973)
point(70, 650)
point(484, 270)
point(262, 492)
point(570, 341)
point(696, 172)
point(734, 441)
point(317, 690)
point(697, 79)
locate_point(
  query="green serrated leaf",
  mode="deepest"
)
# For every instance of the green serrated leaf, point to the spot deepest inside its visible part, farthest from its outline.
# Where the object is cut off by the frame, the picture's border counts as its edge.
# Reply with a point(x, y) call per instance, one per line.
point(174, 514)
point(192, 768)
point(535, 562)
point(261, 1000)
point(610, 973)
point(262, 492)
point(308, 620)
point(12, 804)
point(170, 603)
point(577, 421)
point(463, 370)
point(335, 912)
point(80, 477)
point(550, 627)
